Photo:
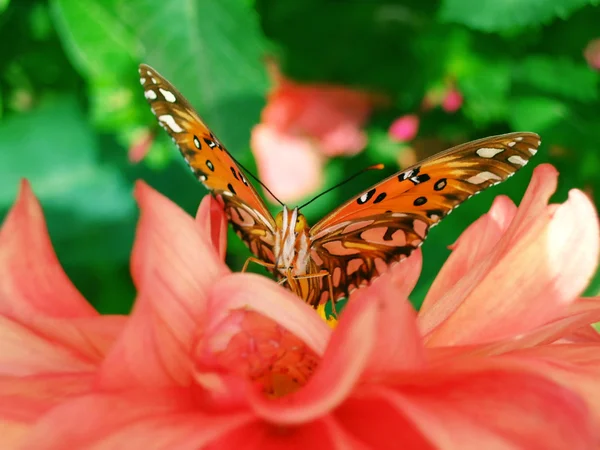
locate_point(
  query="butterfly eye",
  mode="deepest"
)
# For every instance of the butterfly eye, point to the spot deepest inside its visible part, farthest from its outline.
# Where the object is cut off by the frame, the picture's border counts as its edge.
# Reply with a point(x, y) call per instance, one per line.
point(279, 219)
point(300, 224)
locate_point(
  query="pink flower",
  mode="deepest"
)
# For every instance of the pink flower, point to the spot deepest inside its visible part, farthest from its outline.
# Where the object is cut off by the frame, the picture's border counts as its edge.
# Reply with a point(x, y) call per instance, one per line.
point(452, 101)
point(301, 126)
point(500, 356)
point(404, 128)
point(592, 54)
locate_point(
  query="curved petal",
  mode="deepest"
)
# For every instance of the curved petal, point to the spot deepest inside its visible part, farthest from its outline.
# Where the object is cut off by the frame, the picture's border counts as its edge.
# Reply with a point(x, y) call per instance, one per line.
point(271, 300)
point(474, 244)
point(156, 419)
point(539, 275)
point(173, 266)
point(399, 345)
point(213, 222)
point(495, 406)
point(575, 366)
point(403, 276)
point(23, 400)
point(43, 344)
point(582, 313)
point(32, 280)
point(535, 201)
point(343, 363)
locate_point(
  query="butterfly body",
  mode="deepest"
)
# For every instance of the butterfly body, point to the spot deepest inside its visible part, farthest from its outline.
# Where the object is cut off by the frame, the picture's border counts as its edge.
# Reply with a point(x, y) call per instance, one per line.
point(359, 240)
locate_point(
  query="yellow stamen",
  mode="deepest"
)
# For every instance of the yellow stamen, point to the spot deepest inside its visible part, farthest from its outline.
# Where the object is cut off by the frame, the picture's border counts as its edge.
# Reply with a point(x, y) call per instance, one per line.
point(331, 320)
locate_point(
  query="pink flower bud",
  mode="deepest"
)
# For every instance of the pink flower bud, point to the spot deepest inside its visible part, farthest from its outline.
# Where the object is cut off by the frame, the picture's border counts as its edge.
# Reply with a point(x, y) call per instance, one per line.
point(404, 128)
point(592, 54)
point(452, 100)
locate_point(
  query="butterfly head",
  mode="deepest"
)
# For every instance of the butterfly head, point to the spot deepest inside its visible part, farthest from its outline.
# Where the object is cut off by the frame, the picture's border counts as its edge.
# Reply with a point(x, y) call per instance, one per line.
point(291, 241)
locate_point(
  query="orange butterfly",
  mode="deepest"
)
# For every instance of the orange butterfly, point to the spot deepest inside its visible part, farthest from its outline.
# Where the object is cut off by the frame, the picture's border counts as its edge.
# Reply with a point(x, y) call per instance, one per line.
point(357, 241)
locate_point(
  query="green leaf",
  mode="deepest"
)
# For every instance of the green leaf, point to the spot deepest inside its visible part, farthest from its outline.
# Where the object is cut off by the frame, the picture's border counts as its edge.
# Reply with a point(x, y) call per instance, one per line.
point(485, 88)
point(213, 53)
point(504, 15)
point(54, 149)
point(97, 40)
point(536, 113)
point(559, 76)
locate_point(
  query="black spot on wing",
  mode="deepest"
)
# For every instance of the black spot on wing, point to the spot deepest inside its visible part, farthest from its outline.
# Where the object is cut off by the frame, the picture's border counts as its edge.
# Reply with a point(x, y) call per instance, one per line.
point(380, 197)
point(440, 184)
point(231, 189)
point(419, 201)
point(210, 165)
point(365, 197)
point(409, 174)
point(234, 173)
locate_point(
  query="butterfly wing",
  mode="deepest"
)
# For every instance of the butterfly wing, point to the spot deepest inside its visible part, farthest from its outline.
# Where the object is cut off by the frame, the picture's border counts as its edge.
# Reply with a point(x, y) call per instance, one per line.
point(211, 163)
point(385, 224)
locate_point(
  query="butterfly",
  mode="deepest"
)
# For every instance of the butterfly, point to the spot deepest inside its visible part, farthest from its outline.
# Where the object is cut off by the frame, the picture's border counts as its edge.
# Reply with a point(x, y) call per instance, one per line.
point(359, 240)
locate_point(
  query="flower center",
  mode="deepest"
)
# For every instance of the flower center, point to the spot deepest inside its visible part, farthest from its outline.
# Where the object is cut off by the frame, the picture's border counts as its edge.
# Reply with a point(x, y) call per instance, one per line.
point(256, 348)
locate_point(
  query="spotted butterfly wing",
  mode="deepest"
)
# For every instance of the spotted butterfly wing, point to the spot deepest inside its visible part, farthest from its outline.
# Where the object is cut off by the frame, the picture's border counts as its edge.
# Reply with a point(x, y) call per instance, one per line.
point(357, 241)
point(211, 163)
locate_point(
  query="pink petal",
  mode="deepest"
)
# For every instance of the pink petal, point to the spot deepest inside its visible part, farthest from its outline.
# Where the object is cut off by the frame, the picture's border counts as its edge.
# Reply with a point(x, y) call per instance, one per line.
point(376, 423)
point(289, 165)
point(23, 400)
point(582, 313)
point(266, 297)
point(213, 223)
point(325, 433)
point(541, 268)
point(575, 366)
point(399, 346)
point(491, 406)
point(44, 344)
point(173, 265)
point(32, 280)
point(156, 419)
point(474, 244)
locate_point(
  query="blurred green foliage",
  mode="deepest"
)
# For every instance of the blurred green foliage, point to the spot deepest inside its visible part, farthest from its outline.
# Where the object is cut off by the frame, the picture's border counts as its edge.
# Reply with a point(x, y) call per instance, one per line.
point(71, 104)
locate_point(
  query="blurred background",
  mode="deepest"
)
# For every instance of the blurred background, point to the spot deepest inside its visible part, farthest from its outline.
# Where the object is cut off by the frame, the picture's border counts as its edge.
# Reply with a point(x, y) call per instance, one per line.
point(302, 93)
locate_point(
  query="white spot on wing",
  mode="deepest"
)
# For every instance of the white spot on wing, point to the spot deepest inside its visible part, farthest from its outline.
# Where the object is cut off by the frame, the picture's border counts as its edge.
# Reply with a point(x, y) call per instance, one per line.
point(481, 177)
point(142, 81)
point(150, 94)
point(516, 159)
point(489, 152)
point(168, 119)
point(168, 95)
point(533, 151)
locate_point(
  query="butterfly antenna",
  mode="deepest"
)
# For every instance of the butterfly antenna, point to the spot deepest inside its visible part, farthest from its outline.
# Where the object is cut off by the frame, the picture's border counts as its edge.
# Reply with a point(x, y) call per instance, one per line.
point(255, 178)
point(374, 167)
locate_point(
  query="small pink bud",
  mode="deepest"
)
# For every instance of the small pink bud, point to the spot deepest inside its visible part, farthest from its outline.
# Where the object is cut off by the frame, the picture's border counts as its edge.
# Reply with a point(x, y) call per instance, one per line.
point(452, 100)
point(404, 128)
point(592, 54)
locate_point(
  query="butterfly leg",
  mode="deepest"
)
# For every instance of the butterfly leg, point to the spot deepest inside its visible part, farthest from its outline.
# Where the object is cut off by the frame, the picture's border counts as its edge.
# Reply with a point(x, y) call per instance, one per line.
point(257, 261)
